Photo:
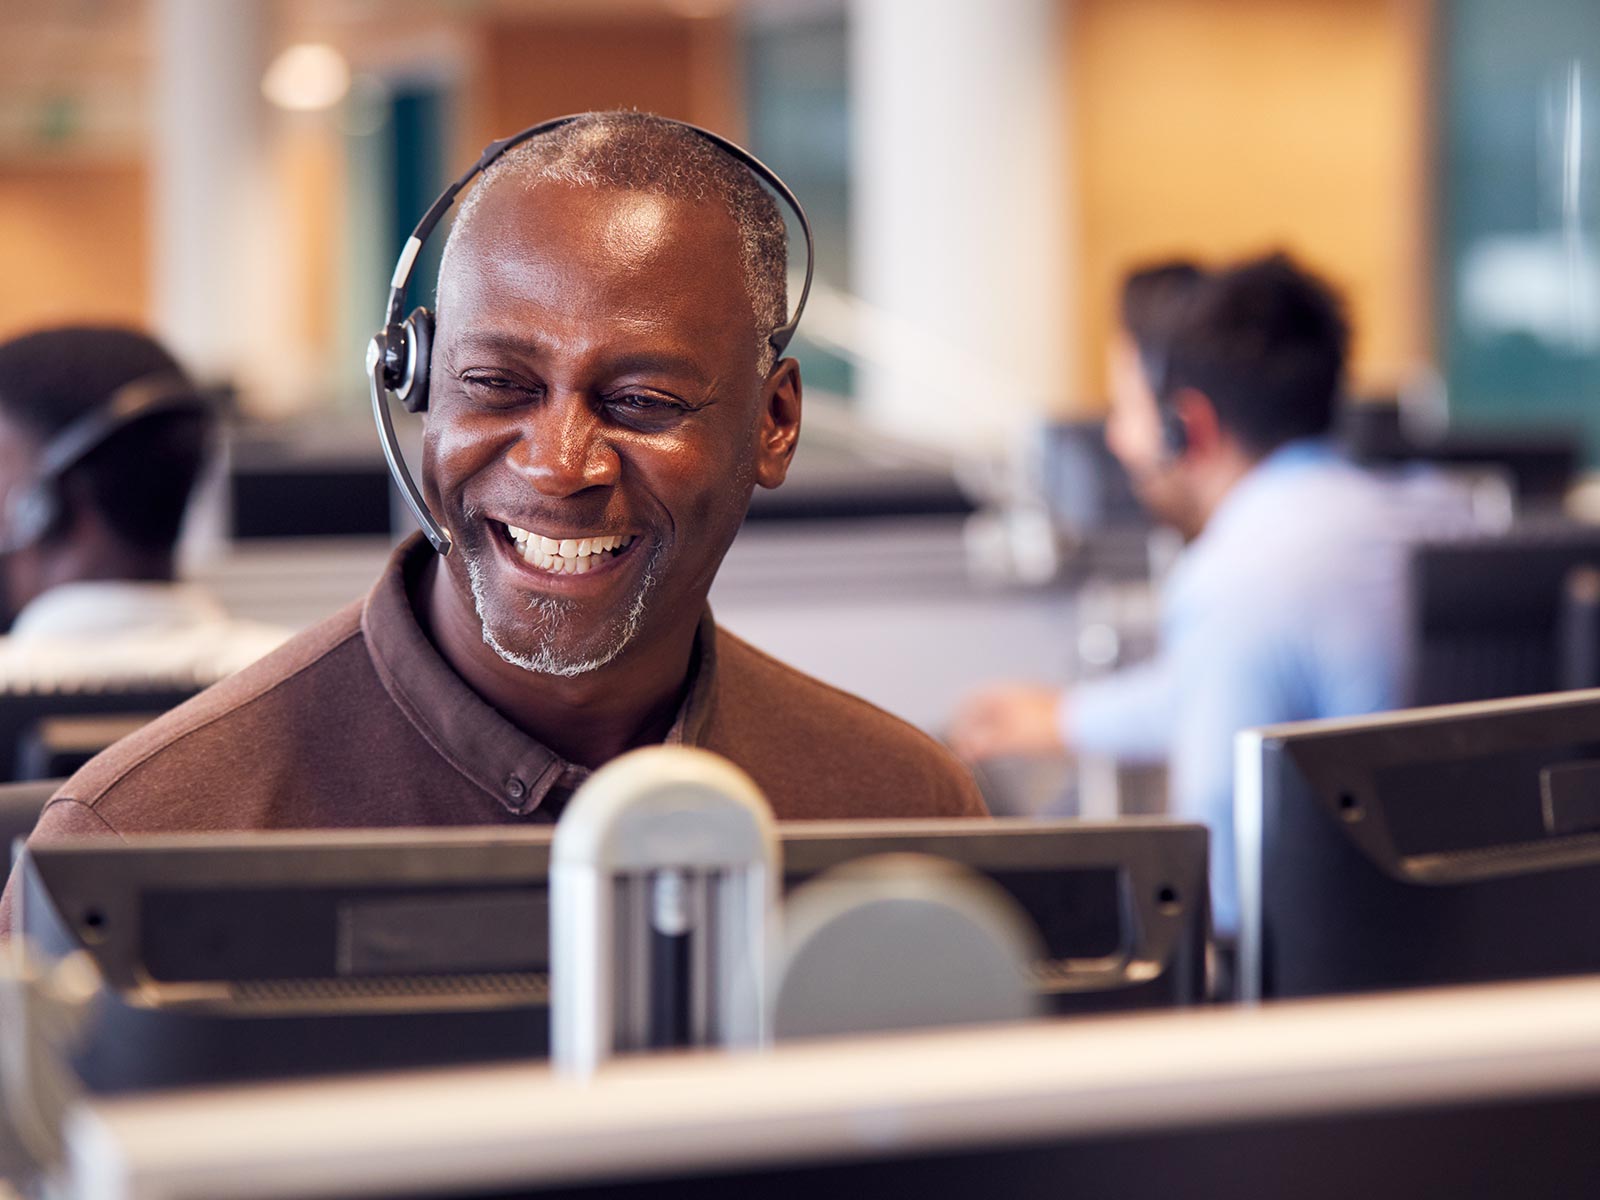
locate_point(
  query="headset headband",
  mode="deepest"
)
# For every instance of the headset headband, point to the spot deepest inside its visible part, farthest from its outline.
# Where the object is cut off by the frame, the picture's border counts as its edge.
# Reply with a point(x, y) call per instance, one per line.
point(400, 283)
point(397, 357)
point(33, 508)
point(132, 402)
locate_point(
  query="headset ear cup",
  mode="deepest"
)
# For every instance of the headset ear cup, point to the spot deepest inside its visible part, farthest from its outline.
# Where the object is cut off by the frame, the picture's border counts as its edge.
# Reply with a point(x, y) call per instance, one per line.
point(419, 335)
point(1174, 433)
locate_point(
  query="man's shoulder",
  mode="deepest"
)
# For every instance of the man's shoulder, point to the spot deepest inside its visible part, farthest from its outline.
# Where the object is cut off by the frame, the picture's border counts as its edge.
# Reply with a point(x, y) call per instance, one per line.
point(810, 734)
point(271, 691)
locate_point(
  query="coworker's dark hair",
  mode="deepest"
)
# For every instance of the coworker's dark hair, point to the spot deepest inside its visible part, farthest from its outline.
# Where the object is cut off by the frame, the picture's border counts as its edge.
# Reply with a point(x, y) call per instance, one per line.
point(1152, 301)
point(1265, 341)
point(140, 479)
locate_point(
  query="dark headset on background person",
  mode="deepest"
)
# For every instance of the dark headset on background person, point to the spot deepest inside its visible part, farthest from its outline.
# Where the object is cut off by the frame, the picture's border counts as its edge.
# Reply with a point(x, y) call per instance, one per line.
point(399, 354)
point(32, 510)
point(1154, 365)
point(1155, 300)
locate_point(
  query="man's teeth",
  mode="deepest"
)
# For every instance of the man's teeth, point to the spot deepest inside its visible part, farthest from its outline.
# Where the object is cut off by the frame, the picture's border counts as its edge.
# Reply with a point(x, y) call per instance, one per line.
point(566, 556)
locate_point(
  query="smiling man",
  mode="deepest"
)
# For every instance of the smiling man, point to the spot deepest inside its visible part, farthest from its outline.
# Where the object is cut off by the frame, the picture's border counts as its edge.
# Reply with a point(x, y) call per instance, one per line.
point(603, 402)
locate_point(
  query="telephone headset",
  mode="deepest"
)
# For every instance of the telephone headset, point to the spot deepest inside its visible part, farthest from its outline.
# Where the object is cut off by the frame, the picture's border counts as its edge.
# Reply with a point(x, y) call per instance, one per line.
point(1174, 433)
point(33, 510)
point(398, 356)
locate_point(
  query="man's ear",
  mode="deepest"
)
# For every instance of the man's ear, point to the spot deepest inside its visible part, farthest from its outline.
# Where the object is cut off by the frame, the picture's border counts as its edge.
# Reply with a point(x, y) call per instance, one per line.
point(1201, 428)
point(779, 429)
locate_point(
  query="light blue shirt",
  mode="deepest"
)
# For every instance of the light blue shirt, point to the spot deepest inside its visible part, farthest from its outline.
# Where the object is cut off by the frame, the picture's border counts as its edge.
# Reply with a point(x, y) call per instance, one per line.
point(1289, 606)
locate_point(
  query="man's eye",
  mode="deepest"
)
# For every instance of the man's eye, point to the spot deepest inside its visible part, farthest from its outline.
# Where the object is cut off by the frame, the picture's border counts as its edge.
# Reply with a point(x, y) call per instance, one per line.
point(497, 389)
point(634, 404)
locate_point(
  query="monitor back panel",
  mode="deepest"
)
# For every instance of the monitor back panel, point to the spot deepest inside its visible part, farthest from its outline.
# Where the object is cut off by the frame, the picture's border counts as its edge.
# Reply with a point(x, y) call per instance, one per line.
point(30, 720)
point(1487, 614)
point(1122, 907)
point(229, 958)
point(1454, 850)
point(282, 954)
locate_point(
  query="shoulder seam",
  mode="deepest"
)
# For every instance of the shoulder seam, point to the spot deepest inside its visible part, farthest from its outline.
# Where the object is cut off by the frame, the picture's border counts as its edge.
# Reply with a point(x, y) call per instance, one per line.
point(88, 808)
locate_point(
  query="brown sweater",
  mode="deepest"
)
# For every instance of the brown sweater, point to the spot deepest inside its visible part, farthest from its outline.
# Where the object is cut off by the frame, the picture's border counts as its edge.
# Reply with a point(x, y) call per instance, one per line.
point(358, 722)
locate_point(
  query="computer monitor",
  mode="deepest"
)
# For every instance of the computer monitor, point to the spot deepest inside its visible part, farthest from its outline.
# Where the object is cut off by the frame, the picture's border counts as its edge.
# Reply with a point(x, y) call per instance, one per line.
point(1540, 465)
point(48, 733)
point(853, 472)
point(20, 806)
point(1486, 1092)
point(1122, 907)
point(1087, 488)
point(1493, 617)
point(309, 482)
point(1432, 846)
point(56, 746)
point(294, 953)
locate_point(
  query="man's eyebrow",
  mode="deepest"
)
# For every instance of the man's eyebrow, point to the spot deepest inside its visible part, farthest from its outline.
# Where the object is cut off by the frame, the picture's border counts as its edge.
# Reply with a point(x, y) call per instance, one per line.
point(493, 339)
point(664, 362)
point(644, 362)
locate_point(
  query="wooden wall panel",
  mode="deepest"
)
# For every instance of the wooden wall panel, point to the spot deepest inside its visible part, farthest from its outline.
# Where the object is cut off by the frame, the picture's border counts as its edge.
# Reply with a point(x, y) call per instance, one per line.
point(309, 174)
point(73, 245)
point(535, 69)
point(1221, 128)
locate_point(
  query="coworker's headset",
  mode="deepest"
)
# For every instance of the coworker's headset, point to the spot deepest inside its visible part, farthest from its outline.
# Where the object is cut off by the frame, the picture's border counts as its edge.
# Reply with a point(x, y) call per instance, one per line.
point(1174, 433)
point(398, 356)
point(33, 510)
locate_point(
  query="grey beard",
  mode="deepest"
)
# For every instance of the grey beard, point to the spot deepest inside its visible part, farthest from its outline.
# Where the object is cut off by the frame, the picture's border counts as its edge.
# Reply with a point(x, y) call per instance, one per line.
point(550, 614)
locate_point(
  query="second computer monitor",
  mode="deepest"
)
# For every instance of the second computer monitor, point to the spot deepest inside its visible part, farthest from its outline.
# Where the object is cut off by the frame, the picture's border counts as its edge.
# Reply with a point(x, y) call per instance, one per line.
point(1504, 616)
point(1433, 846)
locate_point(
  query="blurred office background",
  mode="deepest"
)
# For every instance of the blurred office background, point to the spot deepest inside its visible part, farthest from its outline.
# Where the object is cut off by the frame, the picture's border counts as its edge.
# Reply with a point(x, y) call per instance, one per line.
point(238, 176)
point(239, 173)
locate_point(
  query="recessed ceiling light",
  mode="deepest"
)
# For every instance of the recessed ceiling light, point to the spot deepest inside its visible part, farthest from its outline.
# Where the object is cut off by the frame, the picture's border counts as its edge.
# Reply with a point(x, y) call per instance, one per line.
point(307, 77)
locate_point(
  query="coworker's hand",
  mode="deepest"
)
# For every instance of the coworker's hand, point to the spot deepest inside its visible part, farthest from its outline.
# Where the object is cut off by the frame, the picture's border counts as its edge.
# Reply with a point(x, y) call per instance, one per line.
point(1013, 718)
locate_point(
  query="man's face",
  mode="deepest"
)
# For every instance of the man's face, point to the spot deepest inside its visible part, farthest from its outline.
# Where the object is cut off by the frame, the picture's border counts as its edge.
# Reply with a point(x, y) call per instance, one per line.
point(596, 421)
point(1133, 432)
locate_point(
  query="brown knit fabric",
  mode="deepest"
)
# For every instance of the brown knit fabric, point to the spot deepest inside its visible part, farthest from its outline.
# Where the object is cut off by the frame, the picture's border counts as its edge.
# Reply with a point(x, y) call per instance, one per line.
point(359, 722)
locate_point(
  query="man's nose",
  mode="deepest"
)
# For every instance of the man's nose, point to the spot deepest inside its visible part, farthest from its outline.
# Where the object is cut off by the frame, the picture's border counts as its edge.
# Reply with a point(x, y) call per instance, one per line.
point(565, 449)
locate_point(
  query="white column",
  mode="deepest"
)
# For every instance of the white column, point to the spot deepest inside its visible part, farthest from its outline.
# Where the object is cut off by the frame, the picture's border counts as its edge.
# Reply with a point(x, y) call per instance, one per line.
point(217, 255)
point(961, 214)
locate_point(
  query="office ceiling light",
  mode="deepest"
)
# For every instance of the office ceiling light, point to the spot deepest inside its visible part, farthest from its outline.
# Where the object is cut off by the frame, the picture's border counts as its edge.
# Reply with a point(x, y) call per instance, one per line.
point(307, 77)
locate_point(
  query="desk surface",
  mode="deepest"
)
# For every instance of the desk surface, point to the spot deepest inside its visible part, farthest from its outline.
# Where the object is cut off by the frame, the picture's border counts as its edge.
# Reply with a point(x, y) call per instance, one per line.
point(862, 1100)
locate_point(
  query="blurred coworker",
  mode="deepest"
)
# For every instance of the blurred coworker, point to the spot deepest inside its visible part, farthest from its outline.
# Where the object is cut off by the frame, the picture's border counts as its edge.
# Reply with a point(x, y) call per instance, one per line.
point(1016, 719)
point(1288, 603)
point(604, 399)
point(102, 438)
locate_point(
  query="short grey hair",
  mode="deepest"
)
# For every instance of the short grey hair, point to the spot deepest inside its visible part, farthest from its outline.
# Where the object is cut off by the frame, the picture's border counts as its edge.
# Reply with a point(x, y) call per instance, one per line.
point(641, 152)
